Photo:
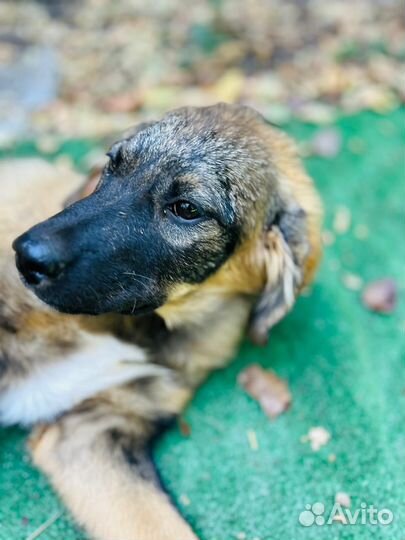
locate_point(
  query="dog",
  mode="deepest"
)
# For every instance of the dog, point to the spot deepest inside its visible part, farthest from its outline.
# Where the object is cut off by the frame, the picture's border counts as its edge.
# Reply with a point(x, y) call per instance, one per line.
point(202, 224)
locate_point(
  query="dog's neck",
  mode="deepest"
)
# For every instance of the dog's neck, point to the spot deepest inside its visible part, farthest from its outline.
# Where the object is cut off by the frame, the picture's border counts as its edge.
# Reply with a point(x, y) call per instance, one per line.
point(205, 328)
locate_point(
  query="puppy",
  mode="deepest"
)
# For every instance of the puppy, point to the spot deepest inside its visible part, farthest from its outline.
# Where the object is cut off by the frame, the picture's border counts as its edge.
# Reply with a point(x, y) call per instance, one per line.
point(202, 224)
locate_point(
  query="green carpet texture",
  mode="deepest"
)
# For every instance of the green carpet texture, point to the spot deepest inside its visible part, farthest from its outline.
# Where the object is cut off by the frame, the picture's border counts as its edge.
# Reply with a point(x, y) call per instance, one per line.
point(345, 367)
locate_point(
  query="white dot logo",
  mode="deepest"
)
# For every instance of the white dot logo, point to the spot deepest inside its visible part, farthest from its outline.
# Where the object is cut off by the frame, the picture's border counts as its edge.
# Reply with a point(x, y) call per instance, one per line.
point(312, 514)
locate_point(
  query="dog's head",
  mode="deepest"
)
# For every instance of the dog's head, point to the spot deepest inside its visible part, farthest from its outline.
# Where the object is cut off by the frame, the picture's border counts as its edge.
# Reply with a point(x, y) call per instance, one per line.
point(206, 195)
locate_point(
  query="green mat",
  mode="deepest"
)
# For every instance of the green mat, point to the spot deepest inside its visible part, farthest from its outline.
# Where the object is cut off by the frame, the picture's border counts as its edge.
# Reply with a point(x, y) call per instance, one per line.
point(346, 371)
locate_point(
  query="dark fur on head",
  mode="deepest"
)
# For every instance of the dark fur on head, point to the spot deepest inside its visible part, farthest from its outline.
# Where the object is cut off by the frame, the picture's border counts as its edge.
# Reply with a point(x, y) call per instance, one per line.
point(124, 248)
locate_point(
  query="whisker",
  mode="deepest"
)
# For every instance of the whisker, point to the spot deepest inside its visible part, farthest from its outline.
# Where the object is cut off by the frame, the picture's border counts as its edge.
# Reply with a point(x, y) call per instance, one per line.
point(135, 275)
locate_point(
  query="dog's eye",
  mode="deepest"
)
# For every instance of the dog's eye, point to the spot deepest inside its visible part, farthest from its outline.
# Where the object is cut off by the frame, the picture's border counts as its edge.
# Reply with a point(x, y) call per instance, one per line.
point(185, 210)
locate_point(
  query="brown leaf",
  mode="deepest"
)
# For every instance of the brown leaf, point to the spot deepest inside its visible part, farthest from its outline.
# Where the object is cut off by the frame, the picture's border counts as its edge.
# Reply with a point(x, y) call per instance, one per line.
point(122, 103)
point(229, 87)
point(380, 295)
point(185, 428)
point(267, 388)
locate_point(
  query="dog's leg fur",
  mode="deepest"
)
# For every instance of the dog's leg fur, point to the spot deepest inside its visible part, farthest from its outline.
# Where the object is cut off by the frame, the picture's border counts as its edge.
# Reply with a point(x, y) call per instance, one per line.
point(107, 481)
point(97, 456)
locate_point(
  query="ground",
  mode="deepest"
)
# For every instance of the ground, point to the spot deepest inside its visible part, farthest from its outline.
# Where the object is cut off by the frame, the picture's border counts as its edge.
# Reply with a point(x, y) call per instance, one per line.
point(345, 367)
point(82, 69)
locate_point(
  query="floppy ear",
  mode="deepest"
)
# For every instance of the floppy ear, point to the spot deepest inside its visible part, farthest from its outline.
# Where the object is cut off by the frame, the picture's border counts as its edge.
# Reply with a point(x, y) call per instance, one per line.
point(285, 249)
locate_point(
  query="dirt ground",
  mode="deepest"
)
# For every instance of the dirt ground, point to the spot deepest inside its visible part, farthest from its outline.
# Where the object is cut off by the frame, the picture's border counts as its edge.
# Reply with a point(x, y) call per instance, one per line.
point(88, 68)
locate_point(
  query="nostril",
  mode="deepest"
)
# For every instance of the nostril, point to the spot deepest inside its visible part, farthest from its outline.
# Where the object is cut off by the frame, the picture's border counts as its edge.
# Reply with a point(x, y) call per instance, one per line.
point(32, 274)
point(36, 260)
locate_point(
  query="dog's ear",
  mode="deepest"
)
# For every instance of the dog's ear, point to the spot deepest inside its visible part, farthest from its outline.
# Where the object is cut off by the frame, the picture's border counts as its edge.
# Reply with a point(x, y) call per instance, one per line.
point(285, 248)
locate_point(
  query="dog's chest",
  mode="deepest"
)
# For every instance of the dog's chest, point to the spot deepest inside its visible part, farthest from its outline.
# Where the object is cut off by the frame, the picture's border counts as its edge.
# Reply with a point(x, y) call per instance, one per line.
point(101, 363)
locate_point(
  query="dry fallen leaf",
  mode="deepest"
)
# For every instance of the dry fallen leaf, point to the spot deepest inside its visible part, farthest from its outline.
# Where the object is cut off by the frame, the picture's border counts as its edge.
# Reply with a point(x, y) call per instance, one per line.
point(252, 439)
point(229, 50)
point(229, 87)
point(343, 499)
point(267, 388)
point(327, 143)
point(380, 295)
point(342, 220)
point(317, 436)
point(184, 499)
point(122, 103)
point(316, 113)
point(352, 282)
point(184, 427)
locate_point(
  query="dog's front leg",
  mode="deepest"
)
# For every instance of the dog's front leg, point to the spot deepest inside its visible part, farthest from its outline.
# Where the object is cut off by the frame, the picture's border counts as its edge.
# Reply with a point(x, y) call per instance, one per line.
point(107, 481)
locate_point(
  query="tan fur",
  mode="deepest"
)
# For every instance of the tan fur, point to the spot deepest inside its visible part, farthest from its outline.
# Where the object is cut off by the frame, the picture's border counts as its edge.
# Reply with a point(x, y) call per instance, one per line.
point(83, 450)
point(298, 186)
point(254, 264)
point(99, 489)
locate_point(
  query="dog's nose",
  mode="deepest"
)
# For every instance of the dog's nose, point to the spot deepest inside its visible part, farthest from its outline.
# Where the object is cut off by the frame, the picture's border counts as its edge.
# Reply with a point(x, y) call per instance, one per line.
point(37, 259)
